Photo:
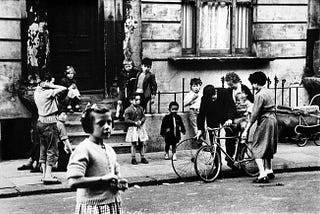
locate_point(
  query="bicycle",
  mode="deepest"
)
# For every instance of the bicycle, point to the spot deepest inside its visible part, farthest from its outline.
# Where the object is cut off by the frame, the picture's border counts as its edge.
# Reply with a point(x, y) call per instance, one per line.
point(208, 158)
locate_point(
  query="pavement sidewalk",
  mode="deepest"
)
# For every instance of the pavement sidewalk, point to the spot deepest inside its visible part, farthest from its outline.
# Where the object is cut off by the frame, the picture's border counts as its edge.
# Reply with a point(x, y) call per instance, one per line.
point(18, 183)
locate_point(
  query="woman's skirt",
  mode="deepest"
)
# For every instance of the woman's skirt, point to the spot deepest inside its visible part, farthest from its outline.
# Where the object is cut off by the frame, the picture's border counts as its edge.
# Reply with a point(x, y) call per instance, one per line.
point(265, 138)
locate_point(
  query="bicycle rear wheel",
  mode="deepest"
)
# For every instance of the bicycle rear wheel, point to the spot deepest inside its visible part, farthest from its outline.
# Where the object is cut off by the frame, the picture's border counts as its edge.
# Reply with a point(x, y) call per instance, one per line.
point(208, 164)
point(247, 161)
point(186, 153)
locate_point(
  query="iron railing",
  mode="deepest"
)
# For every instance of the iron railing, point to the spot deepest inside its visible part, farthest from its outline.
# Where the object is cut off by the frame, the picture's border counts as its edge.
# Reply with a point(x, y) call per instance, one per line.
point(284, 95)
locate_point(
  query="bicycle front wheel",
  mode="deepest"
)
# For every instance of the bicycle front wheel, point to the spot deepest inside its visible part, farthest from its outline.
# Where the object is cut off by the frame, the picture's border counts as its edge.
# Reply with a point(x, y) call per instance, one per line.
point(247, 161)
point(186, 152)
point(208, 164)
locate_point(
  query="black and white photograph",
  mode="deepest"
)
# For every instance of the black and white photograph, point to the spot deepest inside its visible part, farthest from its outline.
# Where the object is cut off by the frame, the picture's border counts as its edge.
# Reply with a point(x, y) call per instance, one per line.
point(159, 106)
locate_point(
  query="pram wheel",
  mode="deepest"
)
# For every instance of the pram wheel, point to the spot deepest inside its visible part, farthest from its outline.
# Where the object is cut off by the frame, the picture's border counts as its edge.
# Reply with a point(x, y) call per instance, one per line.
point(302, 142)
point(317, 142)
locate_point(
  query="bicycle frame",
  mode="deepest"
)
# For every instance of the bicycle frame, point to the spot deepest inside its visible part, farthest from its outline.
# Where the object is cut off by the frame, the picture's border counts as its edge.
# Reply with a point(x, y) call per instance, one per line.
point(208, 158)
point(215, 142)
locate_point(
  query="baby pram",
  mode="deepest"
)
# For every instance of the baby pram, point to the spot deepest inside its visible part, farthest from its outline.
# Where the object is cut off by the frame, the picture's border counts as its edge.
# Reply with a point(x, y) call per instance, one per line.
point(300, 124)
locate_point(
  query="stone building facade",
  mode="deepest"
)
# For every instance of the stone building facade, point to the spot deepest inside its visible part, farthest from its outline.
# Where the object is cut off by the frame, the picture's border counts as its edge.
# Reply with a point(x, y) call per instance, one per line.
point(184, 38)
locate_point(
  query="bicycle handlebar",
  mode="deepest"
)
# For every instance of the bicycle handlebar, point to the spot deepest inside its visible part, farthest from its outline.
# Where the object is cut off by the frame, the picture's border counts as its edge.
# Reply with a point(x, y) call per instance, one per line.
point(221, 127)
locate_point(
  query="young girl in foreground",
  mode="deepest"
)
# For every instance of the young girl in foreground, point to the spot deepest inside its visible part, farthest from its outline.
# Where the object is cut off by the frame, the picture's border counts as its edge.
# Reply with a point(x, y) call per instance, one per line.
point(93, 168)
point(265, 137)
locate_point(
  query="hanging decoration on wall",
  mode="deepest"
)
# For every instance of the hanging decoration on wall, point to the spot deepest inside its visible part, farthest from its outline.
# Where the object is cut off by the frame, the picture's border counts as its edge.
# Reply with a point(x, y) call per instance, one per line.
point(38, 40)
point(129, 26)
point(37, 52)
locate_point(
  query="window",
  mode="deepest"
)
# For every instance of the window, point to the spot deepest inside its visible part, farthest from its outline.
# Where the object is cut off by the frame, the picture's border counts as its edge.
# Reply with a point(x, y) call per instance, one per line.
point(216, 27)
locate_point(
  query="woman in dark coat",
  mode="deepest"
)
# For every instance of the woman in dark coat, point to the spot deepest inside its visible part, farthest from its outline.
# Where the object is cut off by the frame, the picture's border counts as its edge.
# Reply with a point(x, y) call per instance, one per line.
point(265, 137)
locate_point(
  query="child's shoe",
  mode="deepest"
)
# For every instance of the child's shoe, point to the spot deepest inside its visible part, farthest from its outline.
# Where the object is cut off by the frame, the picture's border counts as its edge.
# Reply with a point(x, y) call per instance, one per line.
point(174, 157)
point(144, 160)
point(166, 156)
point(134, 161)
point(25, 167)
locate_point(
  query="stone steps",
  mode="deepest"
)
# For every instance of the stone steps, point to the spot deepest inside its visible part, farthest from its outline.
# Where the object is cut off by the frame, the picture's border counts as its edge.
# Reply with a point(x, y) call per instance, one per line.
point(76, 133)
point(75, 126)
point(116, 140)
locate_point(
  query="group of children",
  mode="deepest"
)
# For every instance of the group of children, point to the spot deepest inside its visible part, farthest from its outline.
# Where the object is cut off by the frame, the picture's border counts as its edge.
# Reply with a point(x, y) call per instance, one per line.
point(172, 125)
point(93, 168)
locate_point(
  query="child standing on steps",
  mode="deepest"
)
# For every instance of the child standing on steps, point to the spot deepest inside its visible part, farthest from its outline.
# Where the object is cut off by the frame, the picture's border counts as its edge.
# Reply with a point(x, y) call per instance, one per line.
point(171, 128)
point(136, 134)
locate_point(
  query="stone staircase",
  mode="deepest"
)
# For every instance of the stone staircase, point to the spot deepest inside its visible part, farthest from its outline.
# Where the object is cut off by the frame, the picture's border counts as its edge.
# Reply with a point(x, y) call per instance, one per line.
point(76, 133)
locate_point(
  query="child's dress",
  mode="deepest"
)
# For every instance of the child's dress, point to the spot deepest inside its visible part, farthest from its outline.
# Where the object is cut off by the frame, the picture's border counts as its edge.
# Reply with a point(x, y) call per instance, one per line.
point(134, 133)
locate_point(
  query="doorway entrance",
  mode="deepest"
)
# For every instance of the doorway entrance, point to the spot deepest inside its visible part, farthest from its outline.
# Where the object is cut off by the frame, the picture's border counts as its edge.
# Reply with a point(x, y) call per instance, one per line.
point(76, 39)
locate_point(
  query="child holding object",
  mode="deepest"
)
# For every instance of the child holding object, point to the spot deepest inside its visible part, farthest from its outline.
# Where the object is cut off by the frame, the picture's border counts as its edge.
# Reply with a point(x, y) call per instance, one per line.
point(93, 168)
point(171, 128)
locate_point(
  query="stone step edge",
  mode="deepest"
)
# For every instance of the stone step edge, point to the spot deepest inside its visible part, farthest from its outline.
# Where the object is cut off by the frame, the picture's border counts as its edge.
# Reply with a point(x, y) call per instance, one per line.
point(78, 122)
point(83, 134)
point(113, 145)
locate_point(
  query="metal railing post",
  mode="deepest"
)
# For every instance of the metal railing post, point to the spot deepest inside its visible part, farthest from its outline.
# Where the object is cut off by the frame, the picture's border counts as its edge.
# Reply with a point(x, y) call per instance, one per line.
point(268, 82)
point(182, 95)
point(159, 102)
point(297, 97)
point(289, 96)
point(282, 90)
point(222, 81)
point(276, 80)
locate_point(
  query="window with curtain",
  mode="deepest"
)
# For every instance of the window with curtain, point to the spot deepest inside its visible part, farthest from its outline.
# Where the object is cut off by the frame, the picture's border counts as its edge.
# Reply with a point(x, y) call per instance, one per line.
point(216, 27)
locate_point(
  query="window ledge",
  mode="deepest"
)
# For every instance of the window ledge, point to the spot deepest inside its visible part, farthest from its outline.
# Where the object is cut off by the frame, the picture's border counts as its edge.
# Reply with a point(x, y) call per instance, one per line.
point(221, 59)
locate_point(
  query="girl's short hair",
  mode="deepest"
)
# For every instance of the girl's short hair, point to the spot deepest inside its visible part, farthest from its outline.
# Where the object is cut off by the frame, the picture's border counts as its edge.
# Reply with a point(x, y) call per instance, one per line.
point(69, 69)
point(87, 118)
point(258, 77)
point(232, 76)
point(195, 81)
